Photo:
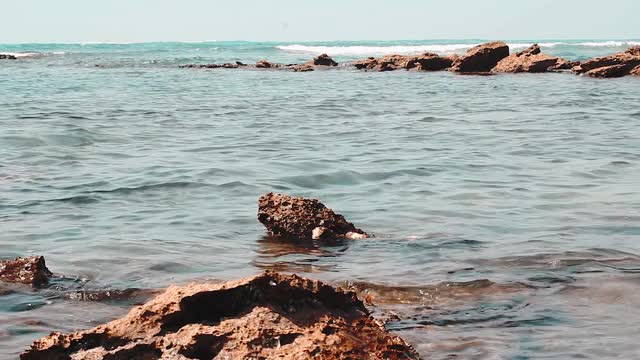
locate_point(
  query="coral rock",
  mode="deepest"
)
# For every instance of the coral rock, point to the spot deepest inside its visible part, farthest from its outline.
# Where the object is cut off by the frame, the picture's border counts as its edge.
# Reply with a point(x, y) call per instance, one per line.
point(264, 64)
point(31, 271)
point(529, 60)
point(481, 58)
point(300, 218)
point(616, 65)
point(269, 316)
point(424, 62)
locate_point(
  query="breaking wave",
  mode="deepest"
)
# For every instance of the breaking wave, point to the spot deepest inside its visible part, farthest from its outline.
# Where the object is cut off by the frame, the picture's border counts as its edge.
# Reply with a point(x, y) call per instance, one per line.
point(436, 48)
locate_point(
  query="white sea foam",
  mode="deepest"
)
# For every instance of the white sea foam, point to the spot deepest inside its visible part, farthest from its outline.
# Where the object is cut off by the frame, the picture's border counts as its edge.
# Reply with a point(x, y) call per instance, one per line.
point(374, 50)
point(436, 48)
point(22, 54)
point(610, 43)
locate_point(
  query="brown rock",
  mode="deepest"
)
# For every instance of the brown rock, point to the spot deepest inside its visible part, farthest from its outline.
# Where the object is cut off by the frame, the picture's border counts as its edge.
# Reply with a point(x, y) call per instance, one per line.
point(308, 66)
point(269, 316)
point(31, 271)
point(264, 64)
point(481, 58)
point(531, 50)
point(616, 65)
point(636, 71)
point(324, 60)
point(530, 60)
point(424, 62)
point(300, 218)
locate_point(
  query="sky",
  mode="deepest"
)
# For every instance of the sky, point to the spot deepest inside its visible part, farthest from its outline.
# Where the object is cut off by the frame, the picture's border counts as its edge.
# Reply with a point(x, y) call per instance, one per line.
point(69, 21)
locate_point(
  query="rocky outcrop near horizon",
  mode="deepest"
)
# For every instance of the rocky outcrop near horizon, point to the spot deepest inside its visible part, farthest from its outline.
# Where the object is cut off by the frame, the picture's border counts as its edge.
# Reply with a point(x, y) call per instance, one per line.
point(267, 316)
point(8, 57)
point(530, 60)
point(484, 59)
point(424, 62)
point(299, 218)
point(481, 58)
point(617, 65)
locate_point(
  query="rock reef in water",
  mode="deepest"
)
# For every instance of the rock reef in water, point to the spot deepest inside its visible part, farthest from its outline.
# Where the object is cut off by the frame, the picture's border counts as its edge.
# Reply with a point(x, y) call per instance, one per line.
point(30, 271)
point(8, 57)
point(530, 60)
point(481, 58)
point(323, 60)
point(300, 218)
point(269, 316)
point(617, 65)
point(424, 62)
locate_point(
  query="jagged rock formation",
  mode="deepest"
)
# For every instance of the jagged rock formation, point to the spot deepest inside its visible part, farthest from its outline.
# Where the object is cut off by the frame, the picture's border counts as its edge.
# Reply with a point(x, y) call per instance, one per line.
point(269, 316)
point(30, 271)
point(424, 62)
point(617, 65)
point(530, 60)
point(300, 218)
point(481, 58)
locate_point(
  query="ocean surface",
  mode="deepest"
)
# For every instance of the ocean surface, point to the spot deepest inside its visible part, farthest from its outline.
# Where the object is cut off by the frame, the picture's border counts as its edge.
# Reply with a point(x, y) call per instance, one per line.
point(505, 209)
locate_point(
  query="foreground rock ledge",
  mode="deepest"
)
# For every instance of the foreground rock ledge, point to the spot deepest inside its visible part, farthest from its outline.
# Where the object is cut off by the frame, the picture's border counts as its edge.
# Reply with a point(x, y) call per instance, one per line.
point(30, 271)
point(269, 316)
point(300, 218)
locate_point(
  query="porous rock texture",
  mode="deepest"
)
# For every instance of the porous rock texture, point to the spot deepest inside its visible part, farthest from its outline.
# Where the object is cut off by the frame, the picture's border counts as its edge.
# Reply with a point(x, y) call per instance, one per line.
point(617, 65)
point(299, 218)
point(269, 316)
point(530, 60)
point(30, 271)
point(424, 62)
point(481, 58)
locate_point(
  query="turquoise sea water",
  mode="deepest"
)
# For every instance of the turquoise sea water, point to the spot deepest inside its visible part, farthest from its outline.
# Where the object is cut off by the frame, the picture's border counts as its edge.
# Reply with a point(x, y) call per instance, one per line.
point(139, 174)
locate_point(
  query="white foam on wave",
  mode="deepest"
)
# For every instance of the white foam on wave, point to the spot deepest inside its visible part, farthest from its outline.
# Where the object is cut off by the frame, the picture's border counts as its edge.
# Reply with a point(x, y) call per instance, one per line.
point(610, 43)
point(22, 54)
point(373, 50)
point(436, 48)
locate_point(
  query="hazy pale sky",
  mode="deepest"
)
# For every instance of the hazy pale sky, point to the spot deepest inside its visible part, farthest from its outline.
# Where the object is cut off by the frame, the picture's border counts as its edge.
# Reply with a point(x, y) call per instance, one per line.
point(299, 20)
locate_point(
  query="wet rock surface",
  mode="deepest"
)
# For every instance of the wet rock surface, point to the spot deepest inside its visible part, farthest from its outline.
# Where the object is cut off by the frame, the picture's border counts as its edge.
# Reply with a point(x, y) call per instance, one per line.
point(530, 60)
point(481, 58)
point(424, 62)
point(300, 218)
point(617, 65)
point(8, 57)
point(264, 317)
point(30, 271)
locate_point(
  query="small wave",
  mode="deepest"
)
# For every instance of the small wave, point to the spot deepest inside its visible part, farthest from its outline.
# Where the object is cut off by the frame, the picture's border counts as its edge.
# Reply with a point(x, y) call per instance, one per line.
point(436, 48)
point(373, 50)
point(21, 55)
point(609, 43)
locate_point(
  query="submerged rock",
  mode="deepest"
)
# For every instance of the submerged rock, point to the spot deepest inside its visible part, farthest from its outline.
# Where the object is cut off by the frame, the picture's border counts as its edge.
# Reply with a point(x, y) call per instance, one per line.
point(30, 271)
point(530, 60)
point(481, 58)
point(8, 57)
point(269, 316)
point(300, 218)
point(424, 62)
point(235, 65)
point(617, 65)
